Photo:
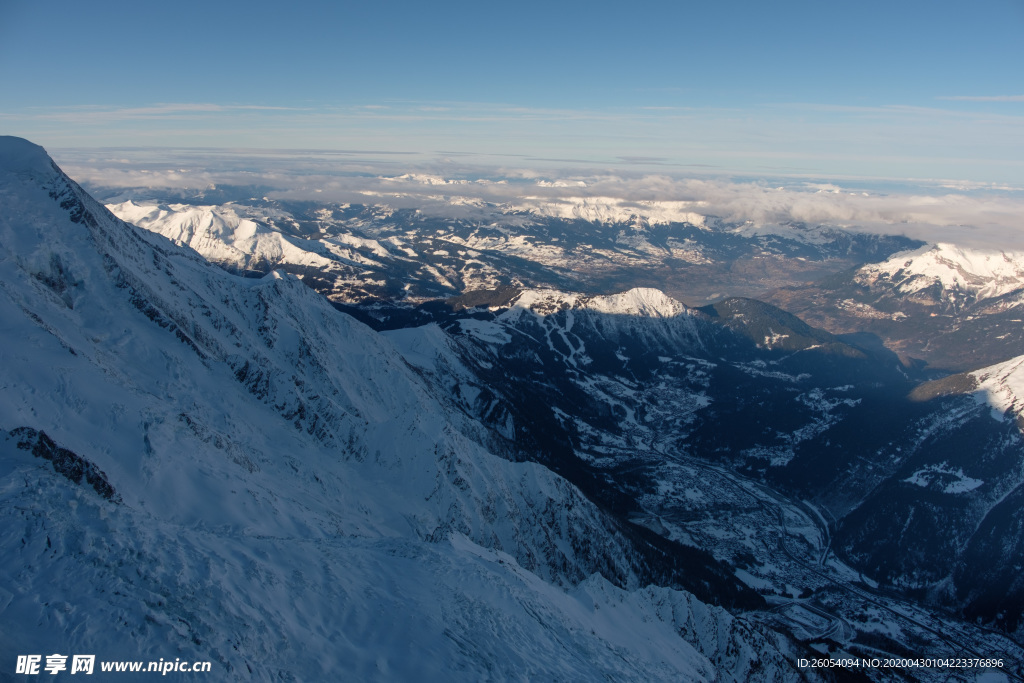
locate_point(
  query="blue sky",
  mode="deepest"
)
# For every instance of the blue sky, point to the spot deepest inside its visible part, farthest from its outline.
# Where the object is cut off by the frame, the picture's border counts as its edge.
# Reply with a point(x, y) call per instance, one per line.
point(870, 89)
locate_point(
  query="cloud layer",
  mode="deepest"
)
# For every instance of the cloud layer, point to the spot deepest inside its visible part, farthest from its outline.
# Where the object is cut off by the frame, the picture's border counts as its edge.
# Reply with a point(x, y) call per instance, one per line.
point(976, 215)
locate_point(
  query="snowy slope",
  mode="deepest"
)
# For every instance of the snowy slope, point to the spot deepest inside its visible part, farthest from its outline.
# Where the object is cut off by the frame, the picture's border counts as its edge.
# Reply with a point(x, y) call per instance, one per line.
point(291, 501)
point(224, 235)
point(957, 308)
point(372, 252)
point(615, 210)
point(958, 271)
point(1002, 386)
point(642, 301)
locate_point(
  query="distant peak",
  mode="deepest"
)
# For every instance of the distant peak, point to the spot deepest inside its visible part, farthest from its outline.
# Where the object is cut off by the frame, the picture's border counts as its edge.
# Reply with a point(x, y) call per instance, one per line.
point(639, 301)
point(1002, 387)
point(19, 156)
point(982, 272)
point(644, 301)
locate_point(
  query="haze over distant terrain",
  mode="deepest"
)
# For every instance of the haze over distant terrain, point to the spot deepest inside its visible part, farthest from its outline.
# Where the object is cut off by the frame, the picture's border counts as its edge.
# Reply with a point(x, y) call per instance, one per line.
point(926, 91)
point(457, 186)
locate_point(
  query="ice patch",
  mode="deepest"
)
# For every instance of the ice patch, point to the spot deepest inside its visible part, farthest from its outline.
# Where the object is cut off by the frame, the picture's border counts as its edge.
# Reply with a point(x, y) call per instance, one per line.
point(942, 475)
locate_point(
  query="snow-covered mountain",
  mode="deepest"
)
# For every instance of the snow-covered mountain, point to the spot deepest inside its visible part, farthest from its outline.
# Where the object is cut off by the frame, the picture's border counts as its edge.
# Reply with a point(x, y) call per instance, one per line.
point(516, 481)
point(642, 401)
point(942, 514)
point(270, 486)
point(359, 253)
point(955, 308)
point(612, 210)
point(949, 276)
point(226, 235)
point(1002, 386)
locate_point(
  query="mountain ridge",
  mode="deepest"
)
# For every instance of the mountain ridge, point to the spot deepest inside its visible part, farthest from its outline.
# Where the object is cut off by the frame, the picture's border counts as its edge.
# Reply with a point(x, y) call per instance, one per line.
point(275, 460)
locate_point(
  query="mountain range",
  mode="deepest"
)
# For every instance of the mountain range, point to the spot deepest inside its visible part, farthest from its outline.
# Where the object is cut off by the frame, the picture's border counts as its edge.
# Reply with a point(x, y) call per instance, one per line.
point(399, 446)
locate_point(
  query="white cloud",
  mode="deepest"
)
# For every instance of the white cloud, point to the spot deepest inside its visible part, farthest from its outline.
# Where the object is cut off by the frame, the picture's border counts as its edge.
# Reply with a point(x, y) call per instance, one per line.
point(958, 212)
point(105, 114)
point(826, 141)
point(985, 98)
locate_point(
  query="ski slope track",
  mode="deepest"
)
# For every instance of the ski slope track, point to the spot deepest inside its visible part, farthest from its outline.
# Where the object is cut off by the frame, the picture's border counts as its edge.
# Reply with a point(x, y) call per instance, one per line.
point(285, 497)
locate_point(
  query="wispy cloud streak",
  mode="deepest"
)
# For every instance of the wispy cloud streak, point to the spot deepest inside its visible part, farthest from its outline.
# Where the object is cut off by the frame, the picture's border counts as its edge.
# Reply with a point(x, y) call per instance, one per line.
point(823, 139)
point(985, 98)
point(104, 114)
